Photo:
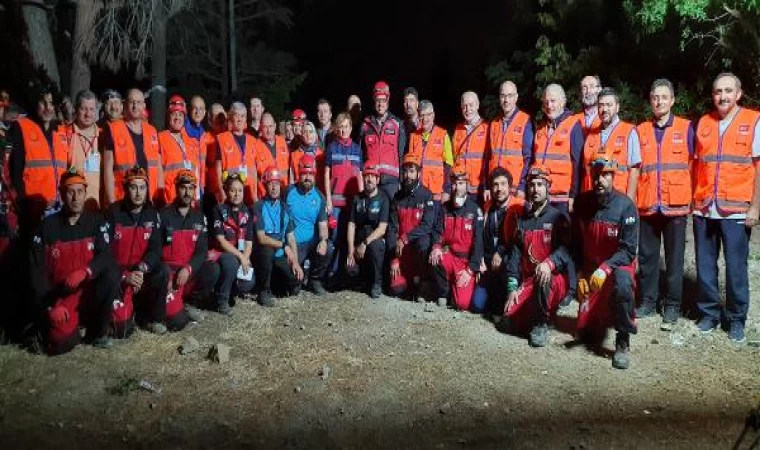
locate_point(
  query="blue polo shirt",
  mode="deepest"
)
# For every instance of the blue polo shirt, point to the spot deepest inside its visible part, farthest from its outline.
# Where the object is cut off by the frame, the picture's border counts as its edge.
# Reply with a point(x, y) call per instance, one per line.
point(274, 219)
point(308, 209)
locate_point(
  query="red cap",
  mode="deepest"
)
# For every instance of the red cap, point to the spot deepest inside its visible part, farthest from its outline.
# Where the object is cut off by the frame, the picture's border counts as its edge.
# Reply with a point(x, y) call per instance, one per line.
point(307, 164)
point(298, 115)
point(371, 170)
point(177, 103)
point(381, 90)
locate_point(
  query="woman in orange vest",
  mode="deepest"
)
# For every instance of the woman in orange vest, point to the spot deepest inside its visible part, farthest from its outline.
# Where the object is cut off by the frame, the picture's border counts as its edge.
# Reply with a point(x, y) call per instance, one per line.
point(236, 152)
point(178, 150)
point(309, 146)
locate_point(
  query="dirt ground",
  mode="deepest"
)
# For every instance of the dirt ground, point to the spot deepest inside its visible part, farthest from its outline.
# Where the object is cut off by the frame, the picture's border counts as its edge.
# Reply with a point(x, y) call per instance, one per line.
point(349, 372)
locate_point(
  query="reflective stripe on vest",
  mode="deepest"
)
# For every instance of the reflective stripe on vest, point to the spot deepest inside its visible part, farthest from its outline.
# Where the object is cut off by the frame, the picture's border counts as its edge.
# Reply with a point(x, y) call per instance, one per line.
point(554, 151)
point(506, 147)
point(125, 156)
point(471, 148)
point(381, 145)
point(616, 146)
point(43, 165)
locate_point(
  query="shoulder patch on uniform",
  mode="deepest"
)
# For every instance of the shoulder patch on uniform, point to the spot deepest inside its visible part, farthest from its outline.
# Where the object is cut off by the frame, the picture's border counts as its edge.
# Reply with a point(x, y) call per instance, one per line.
point(37, 240)
point(430, 203)
point(630, 220)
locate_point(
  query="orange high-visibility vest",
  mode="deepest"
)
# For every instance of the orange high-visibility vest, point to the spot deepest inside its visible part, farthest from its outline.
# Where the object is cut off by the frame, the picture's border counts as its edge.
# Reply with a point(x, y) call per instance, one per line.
point(174, 159)
point(234, 159)
point(724, 169)
point(554, 152)
point(264, 160)
point(43, 166)
point(515, 210)
point(430, 155)
point(125, 158)
point(469, 149)
point(506, 147)
point(319, 158)
point(596, 124)
point(664, 180)
point(615, 147)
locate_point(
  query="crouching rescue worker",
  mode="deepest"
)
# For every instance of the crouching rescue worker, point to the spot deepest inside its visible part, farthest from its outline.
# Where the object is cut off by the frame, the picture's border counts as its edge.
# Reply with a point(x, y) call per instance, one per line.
point(412, 216)
point(233, 243)
point(538, 262)
point(136, 240)
point(74, 276)
point(606, 233)
point(457, 244)
point(277, 253)
point(185, 249)
point(367, 226)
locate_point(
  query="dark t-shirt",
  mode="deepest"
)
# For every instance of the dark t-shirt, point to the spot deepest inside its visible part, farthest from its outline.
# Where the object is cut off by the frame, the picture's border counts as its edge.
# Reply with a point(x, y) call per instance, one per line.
point(368, 213)
point(137, 140)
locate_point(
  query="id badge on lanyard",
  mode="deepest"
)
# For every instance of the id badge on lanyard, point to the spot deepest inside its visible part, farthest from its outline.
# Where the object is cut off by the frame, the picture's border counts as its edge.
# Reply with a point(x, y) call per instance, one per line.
point(241, 244)
point(92, 162)
point(243, 169)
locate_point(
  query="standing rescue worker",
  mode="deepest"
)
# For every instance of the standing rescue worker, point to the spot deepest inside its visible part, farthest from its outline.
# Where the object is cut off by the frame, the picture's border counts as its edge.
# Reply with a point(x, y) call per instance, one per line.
point(606, 229)
point(383, 141)
point(255, 111)
point(412, 217)
point(500, 218)
point(196, 129)
point(558, 145)
point(236, 152)
point(613, 139)
point(470, 146)
point(457, 243)
point(432, 148)
point(589, 118)
point(411, 111)
point(113, 107)
point(343, 180)
point(308, 207)
point(298, 118)
point(309, 146)
point(271, 151)
point(324, 119)
point(726, 203)
point(178, 150)
point(233, 244)
point(136, 240)
point(38, 158)
point(277, 250)
point(129, 143)
point(82, 140)
point(510, 138)
point(185, 251)
point(354, 109)
point(663, 196)
point(367, 226)
point(538, 262)
point(74, 276)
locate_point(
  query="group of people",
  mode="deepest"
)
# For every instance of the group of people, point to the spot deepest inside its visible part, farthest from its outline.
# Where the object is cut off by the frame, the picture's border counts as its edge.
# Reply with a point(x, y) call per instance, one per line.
point(124, 224)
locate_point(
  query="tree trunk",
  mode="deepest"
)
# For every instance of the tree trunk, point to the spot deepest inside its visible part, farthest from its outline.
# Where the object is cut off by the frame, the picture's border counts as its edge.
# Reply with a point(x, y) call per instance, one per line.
point(39, 39)
point(158, 68)
point(224, 46)
point(233, 47)
point(87, 11)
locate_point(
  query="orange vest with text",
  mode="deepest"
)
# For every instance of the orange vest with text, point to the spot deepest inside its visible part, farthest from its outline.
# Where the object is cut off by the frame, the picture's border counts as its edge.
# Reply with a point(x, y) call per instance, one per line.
point(43, 167)
point(234, 160)
point(724, 170)
point(125, 157)
point(174, 159)
point(470, 149)
point(430, 155)
point(319, 157)
point(264, 160)
point(506, 147)
point(554, 153)
point(664, 179)
point(615, 147)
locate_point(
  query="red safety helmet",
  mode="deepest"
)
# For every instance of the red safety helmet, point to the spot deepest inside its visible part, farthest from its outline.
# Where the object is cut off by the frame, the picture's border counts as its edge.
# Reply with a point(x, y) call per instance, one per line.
point(307, 164)
point(177, 104)
point(299, 115)
point(186, 176)
point(371, 170)
point(381, 90)
point(539, 171)
point(271, 174)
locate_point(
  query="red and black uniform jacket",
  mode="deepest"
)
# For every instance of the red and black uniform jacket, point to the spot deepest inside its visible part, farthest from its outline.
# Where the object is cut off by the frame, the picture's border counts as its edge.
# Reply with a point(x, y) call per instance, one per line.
point(185, 238)
point(412, 218)
point(460, 230)
point(235, 223)
point(605, 231)
point(60, 248)
point(135, 238)
point(539, 238)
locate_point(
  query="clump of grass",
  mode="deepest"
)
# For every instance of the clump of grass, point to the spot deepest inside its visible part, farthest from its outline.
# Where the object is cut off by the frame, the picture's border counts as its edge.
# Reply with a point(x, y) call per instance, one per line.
point(123, 385)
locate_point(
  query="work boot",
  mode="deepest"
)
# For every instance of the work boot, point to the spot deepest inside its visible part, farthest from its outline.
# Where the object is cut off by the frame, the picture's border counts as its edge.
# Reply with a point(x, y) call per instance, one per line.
point(539, 335)
point(156, 328)
point(707, 324)
point(736, 332)
point(224, 309)
point(103, 342)
point(646, 309)
point(669, 318)
point(622, 359)
point(316, 287)
point(567, 300)
point(266, 299)
point(376, 291)
point(194, 314)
